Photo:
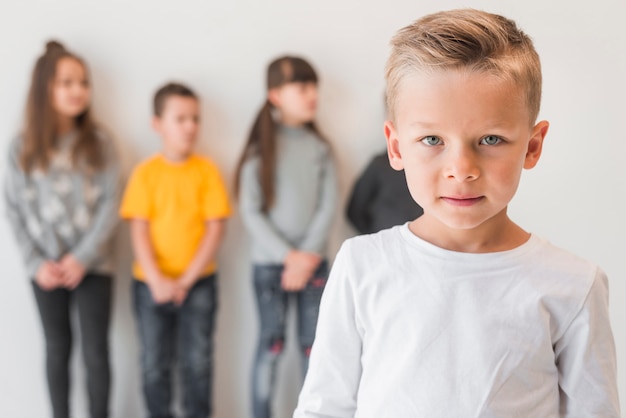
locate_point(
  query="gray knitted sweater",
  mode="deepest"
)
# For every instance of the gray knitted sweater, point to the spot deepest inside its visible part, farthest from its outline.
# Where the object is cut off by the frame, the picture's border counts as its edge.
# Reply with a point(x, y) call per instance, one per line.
point(63, 210)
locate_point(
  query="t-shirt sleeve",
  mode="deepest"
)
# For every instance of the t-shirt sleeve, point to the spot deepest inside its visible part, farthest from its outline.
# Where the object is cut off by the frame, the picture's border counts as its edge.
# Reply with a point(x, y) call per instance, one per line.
point(136, 202)
point(334, 374)
point(585, 357)
point(216, 204)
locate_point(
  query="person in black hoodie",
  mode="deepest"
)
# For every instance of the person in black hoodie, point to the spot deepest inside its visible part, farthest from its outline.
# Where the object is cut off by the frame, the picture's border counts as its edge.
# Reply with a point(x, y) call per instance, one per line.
point(380, 198)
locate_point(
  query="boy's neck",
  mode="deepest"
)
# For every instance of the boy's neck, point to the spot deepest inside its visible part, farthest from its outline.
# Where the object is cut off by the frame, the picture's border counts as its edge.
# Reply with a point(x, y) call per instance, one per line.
point(175, 157)
point(496, 235)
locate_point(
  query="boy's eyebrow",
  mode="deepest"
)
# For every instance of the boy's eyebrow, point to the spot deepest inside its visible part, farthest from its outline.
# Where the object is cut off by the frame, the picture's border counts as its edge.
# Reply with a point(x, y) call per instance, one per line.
point(486, 125)
point(425, 125)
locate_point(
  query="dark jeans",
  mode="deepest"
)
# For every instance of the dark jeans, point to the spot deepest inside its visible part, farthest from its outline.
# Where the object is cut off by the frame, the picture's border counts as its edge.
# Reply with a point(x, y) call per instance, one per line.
point(272, 303)
point(184, 333)
point(93, 301)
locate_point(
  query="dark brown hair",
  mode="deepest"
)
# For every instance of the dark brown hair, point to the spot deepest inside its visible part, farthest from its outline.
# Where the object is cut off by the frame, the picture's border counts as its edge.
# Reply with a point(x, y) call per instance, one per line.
point(40, 135)
point(262, 138)
point(167, 91)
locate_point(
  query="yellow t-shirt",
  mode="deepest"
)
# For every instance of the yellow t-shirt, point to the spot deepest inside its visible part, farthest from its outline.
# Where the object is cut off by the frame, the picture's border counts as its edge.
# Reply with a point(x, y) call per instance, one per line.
point(176, 199)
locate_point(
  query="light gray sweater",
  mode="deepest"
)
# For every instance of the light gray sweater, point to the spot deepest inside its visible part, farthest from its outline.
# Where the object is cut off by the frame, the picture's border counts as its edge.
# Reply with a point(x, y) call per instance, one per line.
point(306, 195)
point(63, 210)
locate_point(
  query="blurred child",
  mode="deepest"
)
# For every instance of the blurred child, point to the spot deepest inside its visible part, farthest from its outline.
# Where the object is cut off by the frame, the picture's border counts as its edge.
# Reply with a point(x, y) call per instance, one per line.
point(380, 198)
point(177, 206)
point(62, 191)
point(462, 313)
point(287, 191)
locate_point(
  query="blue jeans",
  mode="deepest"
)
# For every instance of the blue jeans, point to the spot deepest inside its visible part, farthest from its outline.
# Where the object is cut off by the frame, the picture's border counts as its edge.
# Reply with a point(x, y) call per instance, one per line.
point(92, 298)
point(272, 303)
point(184, 333)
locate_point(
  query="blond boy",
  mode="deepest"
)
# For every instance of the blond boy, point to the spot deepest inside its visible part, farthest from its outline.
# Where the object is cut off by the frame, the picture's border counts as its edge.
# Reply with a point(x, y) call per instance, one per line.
point(462, 313)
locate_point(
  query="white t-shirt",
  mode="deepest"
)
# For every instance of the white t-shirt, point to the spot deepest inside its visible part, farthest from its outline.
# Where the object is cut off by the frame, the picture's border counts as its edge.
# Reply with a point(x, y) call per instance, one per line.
point(408, 329)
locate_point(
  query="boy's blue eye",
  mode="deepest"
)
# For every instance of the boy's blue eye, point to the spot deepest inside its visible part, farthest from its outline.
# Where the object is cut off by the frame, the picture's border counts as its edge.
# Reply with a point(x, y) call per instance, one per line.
point(490, 140)
point(431, 140)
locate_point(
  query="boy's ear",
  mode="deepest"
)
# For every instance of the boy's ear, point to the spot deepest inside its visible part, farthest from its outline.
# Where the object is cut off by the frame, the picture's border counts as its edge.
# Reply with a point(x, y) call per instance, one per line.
point(535, 144)
point(393, 146)
point(156, 123)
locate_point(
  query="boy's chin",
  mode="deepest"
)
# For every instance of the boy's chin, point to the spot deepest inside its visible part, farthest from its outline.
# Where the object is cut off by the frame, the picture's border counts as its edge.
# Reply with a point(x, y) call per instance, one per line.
point(467, 221)
point(186, 146)
point(179, 153)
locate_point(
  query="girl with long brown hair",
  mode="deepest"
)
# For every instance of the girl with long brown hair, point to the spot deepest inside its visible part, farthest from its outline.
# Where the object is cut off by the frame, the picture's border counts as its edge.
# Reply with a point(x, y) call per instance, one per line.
point(287, 191)
point(61, 193)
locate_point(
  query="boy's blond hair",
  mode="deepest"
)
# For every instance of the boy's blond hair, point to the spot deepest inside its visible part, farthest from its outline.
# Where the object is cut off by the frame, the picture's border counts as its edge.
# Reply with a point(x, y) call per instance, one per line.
point(465, 39)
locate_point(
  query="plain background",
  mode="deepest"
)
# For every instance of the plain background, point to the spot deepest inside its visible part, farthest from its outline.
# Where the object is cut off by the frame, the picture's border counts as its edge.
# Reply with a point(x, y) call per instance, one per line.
point(574, 197)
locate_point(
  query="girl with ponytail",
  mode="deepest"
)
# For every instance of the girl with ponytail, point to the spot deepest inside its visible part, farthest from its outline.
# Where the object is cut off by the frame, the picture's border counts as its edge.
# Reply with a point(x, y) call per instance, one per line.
point(61, 192)
point(286, 185)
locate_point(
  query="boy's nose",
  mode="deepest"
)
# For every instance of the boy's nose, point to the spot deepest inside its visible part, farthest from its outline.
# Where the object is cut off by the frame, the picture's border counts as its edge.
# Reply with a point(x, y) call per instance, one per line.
point(462, 165)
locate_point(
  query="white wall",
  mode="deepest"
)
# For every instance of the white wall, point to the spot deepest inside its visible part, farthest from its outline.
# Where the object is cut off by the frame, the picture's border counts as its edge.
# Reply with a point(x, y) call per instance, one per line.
point(575, 197)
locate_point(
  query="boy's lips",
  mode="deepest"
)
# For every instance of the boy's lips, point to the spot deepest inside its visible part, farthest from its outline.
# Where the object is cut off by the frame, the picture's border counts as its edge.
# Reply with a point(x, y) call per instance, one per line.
point(462, 200)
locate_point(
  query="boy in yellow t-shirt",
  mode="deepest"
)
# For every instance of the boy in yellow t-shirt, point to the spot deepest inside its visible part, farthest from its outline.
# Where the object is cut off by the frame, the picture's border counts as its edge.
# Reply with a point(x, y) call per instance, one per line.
point(177, 205)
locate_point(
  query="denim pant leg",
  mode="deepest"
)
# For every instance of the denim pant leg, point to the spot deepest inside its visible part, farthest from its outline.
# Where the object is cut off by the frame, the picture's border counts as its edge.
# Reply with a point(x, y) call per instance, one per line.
point(93, 300)
point(271, 304)
point(157, 330)
point(308, 311)
point(54, 310)
point(196, 324)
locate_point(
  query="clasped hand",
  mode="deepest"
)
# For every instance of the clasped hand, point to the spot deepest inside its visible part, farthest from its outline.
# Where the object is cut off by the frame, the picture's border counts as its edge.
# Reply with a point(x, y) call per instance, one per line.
point(68, 272)
point(167, 289)
point(299, 268)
